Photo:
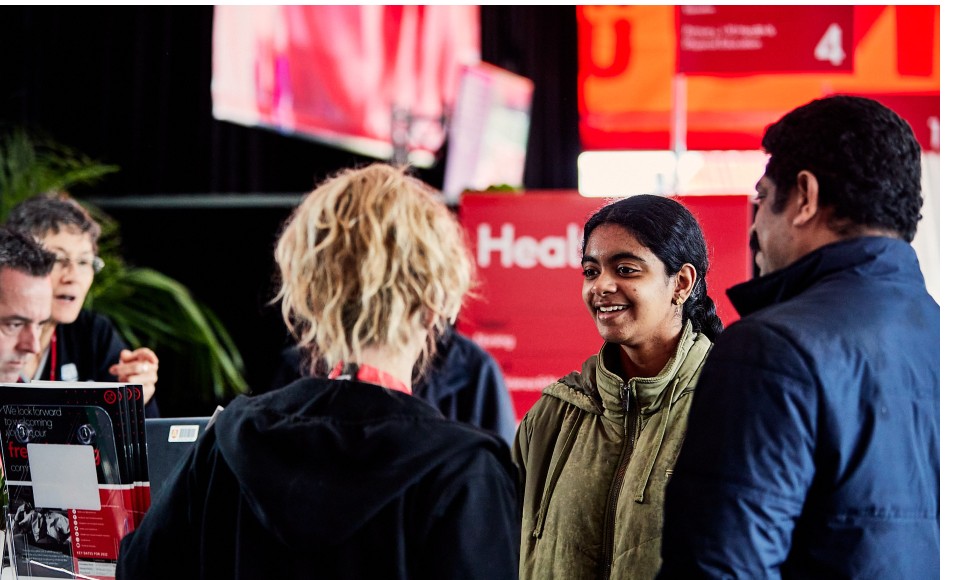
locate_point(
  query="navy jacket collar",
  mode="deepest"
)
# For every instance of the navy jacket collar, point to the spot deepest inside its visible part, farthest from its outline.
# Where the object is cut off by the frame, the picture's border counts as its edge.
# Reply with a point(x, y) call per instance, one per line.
point(878, 255)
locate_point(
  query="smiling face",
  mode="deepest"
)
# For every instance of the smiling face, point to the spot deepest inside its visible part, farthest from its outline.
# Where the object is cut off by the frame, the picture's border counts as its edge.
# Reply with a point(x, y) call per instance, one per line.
point(627, 290)
point(72, 273)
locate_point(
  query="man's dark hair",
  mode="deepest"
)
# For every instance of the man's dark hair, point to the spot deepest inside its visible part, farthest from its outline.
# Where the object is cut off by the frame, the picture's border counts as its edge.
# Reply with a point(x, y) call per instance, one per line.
point(42, 214)
point(865, 157)
point(21, 252)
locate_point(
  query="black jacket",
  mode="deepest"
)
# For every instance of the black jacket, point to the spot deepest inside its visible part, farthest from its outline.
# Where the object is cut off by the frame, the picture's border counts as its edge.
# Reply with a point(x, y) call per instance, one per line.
point(86, 349)
point(333, 479)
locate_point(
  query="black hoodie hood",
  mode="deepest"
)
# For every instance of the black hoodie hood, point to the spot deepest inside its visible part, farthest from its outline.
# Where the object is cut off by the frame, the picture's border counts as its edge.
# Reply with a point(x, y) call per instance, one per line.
point(319, 458)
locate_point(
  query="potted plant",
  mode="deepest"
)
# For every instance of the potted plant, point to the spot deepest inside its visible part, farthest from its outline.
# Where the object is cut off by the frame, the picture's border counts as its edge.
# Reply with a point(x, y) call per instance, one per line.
point(147, 307)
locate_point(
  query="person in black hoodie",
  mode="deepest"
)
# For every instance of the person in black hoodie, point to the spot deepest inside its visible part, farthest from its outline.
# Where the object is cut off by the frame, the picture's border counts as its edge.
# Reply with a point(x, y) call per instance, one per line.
point(463, 380)
point(348, 475)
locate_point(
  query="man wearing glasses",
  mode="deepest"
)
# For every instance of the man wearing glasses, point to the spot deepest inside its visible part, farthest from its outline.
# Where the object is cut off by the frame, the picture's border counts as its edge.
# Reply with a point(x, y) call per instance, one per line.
point(78, 345)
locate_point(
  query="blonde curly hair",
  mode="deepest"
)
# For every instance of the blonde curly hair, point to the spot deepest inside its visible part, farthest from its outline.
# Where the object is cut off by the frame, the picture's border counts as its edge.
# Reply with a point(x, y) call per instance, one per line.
point(367, 251)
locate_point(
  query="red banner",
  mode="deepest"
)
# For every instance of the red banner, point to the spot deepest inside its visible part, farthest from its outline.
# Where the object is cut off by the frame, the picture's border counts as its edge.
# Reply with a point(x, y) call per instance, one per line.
point(530, 315)
point(764, 39)
point(631, 93)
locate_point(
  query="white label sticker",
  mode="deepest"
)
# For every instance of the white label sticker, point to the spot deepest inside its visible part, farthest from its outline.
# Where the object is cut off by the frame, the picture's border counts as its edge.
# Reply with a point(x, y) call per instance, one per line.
point(183, 433)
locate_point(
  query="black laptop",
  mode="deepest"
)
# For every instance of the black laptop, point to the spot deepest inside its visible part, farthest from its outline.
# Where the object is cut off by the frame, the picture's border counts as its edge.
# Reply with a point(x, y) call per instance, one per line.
point(169, 440)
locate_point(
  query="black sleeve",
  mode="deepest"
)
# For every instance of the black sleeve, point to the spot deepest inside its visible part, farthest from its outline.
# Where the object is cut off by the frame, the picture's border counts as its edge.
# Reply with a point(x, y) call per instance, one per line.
point(747, 461)
point(93, 344)
point(110, 344)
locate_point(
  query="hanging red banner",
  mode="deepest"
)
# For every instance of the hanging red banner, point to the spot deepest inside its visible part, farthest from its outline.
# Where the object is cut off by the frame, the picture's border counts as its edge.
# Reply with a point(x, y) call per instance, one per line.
point(631, 86)
point(764, 39)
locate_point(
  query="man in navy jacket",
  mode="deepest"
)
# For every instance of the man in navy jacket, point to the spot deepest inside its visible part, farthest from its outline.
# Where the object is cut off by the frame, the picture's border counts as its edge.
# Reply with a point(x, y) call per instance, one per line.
point(813, 447)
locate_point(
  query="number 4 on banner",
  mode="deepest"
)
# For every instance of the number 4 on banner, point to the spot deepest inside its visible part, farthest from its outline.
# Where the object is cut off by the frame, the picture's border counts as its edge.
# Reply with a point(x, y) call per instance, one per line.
point(830, 47)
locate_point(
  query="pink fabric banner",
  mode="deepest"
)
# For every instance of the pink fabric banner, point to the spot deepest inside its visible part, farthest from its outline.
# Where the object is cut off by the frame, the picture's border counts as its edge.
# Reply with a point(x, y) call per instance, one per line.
point(342, 74)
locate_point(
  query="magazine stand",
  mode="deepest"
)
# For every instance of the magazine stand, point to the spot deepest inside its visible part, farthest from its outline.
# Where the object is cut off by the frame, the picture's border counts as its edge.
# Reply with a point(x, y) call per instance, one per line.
point(74, 460)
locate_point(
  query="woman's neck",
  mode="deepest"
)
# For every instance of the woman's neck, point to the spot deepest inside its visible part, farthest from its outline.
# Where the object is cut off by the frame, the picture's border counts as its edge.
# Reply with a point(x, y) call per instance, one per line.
point(649, 358)
point(396, 363)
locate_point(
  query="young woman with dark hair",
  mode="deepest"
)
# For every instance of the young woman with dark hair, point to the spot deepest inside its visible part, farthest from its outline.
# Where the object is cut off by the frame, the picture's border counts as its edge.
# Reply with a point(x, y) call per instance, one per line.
point(596, 451)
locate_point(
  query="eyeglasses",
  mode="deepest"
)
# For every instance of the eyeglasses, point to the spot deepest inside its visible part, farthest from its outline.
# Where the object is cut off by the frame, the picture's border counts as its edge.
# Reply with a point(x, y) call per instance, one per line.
point(95, 263)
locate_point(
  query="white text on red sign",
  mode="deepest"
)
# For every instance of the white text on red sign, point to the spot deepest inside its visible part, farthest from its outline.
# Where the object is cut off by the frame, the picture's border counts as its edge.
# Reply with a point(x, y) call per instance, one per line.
point(527, 251)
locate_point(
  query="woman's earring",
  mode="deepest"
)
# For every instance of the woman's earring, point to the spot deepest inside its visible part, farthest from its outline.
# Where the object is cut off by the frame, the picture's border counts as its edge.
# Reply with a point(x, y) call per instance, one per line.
point(679, 302)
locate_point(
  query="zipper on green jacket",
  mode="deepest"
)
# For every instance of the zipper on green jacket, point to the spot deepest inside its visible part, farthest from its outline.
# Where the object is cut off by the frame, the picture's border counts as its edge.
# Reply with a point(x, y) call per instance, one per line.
point(628, 442)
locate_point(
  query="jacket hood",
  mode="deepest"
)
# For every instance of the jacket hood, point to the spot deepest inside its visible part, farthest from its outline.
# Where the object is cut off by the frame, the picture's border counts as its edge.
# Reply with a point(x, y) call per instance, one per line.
point(596, 389)
point(579, 388)
point(877, 256)
point(338, 452)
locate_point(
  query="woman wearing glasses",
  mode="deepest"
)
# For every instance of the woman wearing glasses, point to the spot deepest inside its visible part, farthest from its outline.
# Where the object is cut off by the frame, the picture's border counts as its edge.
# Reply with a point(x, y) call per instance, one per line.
point(77, 344)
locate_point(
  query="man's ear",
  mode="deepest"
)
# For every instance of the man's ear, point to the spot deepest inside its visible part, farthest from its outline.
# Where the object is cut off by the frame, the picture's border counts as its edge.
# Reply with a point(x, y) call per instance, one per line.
point(807, 200)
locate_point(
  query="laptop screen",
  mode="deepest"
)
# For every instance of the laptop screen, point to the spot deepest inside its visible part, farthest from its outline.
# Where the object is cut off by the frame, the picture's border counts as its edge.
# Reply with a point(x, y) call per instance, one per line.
point(169, 440)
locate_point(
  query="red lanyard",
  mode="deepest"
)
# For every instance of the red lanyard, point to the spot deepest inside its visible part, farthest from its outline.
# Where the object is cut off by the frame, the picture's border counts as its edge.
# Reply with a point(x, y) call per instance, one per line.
point(369, 374)
point(53, 355)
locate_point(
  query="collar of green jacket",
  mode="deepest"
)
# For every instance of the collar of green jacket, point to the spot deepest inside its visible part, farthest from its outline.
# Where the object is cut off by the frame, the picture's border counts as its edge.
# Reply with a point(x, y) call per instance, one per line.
point(598, 390)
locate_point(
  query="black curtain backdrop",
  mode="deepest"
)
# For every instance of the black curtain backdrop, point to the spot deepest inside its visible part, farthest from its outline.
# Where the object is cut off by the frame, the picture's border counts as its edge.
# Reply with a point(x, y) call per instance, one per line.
point(131, 86)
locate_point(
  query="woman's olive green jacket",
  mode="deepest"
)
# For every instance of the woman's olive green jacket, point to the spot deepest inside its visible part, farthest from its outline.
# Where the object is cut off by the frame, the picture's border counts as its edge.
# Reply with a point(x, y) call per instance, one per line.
point(595, 455)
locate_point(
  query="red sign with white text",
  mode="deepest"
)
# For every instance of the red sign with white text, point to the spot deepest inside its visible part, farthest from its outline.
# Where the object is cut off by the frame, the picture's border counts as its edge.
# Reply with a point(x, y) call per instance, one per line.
point(764, 39)
point(529, 314)
point(630, 94)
